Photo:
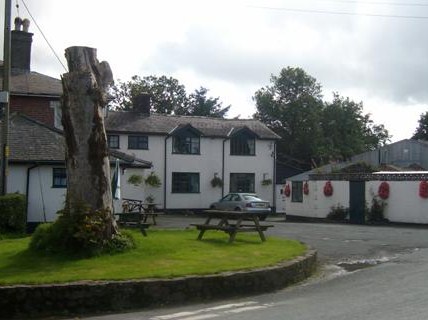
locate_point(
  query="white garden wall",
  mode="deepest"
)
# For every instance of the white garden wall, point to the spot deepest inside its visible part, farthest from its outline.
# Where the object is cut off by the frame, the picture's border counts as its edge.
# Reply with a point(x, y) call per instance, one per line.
point(316, 204)
point(404, 203)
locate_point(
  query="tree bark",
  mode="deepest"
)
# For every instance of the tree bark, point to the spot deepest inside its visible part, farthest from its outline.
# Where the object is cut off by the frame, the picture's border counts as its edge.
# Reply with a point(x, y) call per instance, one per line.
point(84, 97)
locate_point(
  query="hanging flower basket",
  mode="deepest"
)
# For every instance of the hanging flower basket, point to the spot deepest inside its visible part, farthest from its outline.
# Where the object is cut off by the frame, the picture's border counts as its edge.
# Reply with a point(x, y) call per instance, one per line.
point(287, 190)
point(383, 190)
point(306, 188)
point(423, 189)
point(328, 189)
point(216, 182)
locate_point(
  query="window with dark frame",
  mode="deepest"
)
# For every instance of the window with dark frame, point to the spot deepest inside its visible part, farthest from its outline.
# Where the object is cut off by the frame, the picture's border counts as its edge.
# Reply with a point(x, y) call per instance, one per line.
point(185, 182)
point(113, 141)
point(186, 144)
point(242, 182)
point(297, 191)
point(59, 178)
point(243, 145)
point(138, 142)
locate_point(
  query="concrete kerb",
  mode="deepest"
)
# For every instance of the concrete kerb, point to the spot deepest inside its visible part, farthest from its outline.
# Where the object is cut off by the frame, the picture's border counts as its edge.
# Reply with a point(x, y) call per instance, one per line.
point(24, 301)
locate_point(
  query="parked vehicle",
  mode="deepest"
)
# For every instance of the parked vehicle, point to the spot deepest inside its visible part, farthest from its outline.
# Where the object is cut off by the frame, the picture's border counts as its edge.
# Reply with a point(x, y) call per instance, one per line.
point(248, 202)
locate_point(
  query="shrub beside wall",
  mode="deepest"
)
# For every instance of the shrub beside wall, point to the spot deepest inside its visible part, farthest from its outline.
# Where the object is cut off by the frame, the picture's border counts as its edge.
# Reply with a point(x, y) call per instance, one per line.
point(12, 213)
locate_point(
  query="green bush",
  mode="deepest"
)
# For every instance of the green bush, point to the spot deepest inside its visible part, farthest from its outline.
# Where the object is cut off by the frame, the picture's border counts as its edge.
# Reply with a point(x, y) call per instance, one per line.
point(338, 213)
point(82, 234)
point(13, 217)
point(376, 212)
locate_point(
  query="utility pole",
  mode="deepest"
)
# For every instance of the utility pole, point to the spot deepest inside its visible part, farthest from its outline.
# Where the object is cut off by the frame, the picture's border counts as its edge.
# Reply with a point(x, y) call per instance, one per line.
point(4, 98)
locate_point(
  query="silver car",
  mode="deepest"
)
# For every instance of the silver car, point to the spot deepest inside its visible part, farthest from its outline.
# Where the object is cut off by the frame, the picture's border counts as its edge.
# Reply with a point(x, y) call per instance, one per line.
point(248, 202)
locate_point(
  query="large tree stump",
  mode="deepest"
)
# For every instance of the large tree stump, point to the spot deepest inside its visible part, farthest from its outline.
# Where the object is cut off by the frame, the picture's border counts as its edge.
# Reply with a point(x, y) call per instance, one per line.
point(84, 97)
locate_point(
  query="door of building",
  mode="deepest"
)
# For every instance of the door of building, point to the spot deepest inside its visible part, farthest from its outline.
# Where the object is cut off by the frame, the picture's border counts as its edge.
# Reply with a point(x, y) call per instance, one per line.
point(357, 201)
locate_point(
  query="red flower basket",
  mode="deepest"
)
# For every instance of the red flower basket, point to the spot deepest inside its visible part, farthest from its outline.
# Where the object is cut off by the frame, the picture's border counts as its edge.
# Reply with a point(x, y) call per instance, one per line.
point(287, 190)
point(423, 189)
point(383, 190)
point(328, 189)
point(306, 188)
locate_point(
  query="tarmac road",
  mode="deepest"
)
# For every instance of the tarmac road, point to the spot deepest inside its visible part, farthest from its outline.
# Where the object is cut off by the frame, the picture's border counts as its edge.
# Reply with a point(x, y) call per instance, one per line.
point(366, 272)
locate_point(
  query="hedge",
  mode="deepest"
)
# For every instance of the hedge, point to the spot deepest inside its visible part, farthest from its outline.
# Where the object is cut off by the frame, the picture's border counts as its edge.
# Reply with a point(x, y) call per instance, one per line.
point(13, 218)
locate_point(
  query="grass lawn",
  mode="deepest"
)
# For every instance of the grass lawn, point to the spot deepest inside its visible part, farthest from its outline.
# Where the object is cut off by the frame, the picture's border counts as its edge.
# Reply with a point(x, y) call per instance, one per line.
point(163, 254)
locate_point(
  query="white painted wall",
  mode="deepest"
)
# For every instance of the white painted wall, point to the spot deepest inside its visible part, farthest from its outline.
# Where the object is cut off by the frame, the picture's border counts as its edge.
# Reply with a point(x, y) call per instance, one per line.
point(207, 163)
point(403, 205)
point(316, 204)
point(43, 200)
point(261, 164)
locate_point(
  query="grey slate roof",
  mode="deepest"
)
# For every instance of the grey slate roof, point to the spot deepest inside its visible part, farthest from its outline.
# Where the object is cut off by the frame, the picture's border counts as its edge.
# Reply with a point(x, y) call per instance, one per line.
point(135, 122)
point(32, 83)
point(32, 141)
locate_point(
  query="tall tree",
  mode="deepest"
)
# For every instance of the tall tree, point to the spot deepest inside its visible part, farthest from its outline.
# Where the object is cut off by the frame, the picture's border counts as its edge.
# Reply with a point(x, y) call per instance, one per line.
point(312, 130)
point(201, 105)
point(292, 107)
point(88, 168)
point(168, 96)
point(421, 132)
point(348, 131)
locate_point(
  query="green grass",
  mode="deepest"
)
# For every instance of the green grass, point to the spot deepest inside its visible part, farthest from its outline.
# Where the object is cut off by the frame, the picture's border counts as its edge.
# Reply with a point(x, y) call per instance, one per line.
point(163, 254)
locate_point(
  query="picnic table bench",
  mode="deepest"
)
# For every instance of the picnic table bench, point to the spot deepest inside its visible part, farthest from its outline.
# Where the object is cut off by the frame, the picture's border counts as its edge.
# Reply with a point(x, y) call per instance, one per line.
point(146, 209)
point(232, 222)
point(133, 219)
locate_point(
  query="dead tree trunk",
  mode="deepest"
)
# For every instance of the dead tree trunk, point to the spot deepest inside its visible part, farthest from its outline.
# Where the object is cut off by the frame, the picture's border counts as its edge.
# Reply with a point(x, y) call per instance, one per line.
point(88, 168)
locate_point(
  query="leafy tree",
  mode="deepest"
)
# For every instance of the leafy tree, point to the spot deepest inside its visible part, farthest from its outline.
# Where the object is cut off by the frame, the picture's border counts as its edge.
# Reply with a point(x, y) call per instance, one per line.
point(312, 130)
point(200, 105)
point(348, 131)
point(292, 106)
point(421, 132)
point(167, 96)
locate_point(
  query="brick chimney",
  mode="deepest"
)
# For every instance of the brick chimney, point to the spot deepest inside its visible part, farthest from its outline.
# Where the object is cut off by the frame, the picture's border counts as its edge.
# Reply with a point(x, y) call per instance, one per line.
point(141, 103)
point(21, 45)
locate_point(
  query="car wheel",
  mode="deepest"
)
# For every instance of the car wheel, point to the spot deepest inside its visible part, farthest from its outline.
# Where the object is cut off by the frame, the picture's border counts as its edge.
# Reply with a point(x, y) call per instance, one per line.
point(212, 207)
point(238, 209)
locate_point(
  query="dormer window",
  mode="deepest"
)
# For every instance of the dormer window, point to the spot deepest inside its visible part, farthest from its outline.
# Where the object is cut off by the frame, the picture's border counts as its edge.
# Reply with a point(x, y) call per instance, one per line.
point(243, 143)
point(186, 141)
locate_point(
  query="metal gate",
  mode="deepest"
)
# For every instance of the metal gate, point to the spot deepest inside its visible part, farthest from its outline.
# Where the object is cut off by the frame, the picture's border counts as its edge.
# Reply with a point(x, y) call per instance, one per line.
point(357, 201)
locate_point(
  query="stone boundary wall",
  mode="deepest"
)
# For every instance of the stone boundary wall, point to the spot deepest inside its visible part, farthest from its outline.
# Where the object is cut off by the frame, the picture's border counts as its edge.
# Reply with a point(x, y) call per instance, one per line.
point(25, 301)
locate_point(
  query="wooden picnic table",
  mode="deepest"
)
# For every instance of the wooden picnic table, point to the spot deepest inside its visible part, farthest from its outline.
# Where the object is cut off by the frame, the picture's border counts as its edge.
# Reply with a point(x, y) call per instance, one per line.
point(147, 210)
point(133, 219)
point(232, 222)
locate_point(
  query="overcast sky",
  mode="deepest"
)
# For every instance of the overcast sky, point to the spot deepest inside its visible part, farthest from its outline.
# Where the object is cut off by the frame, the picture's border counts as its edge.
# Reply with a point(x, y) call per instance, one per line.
point(374, 51)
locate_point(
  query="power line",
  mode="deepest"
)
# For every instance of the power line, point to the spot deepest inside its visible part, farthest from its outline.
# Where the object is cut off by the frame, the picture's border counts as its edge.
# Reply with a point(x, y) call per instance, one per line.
point(378, 3)
point(43, 35)
point(339, 13)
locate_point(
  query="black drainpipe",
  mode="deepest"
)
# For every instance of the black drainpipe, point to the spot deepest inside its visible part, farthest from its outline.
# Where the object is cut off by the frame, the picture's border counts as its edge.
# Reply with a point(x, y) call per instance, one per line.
point(164, 174)
point(274, 178)
point(27, 187)
point(222, 170)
